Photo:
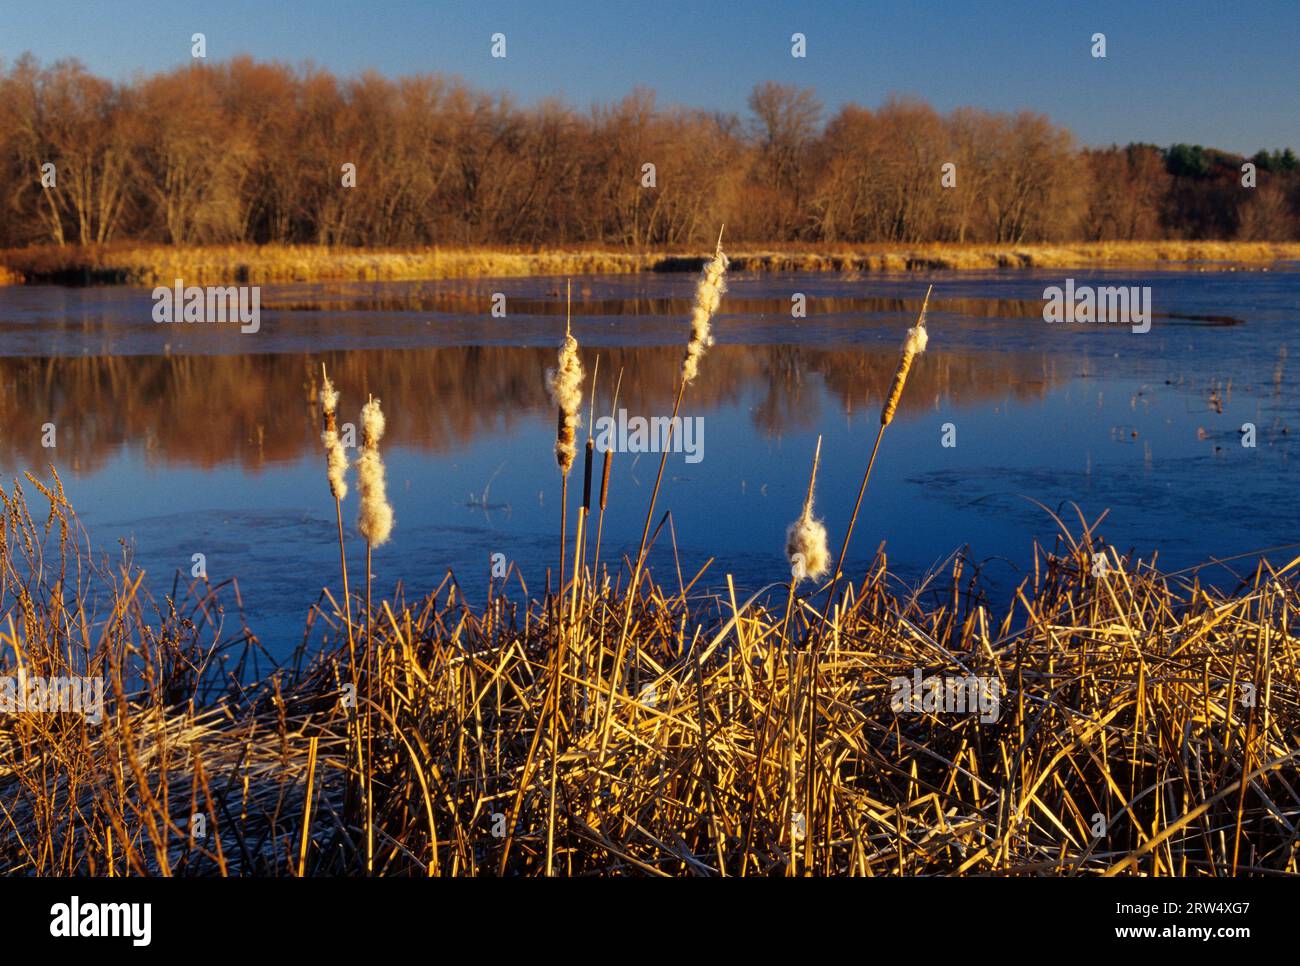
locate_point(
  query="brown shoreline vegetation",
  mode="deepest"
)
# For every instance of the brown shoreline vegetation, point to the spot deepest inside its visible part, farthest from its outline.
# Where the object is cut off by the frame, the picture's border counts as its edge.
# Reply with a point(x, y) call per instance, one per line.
point(1117, 697)
point(130, 264)
point(1143, 724)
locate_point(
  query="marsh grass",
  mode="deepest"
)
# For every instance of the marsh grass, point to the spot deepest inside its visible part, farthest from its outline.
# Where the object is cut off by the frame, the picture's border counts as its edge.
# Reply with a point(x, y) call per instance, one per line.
point(201, 265)
point(1118, 696)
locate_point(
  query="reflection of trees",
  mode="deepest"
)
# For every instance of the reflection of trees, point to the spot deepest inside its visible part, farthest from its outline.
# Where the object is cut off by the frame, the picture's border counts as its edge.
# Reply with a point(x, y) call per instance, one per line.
point(208, 410)
point(788, 401)
point(475, 296)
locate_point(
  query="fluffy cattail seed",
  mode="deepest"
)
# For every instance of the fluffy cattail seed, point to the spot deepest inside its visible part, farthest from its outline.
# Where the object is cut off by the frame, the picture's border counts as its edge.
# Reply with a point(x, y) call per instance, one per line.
point(805, 540)
point(375, 520)
point(913, 346)
point(708, 296)
point(565, 384)
point(336, 460)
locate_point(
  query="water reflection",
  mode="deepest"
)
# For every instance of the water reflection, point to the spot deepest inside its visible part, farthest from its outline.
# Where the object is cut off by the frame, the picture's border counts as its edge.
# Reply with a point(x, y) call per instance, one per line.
point(255, 410)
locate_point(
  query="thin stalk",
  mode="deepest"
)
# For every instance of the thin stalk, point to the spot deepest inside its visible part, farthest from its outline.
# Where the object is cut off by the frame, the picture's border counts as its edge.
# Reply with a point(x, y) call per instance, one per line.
point(604, 482)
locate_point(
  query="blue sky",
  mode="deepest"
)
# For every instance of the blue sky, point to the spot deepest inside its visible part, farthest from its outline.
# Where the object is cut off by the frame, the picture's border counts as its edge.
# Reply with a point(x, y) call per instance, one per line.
point(1216, 73)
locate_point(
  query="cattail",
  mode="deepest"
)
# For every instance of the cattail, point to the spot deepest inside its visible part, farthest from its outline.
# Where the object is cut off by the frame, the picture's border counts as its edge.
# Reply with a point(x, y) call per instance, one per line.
point(805, 546)
point(565, 384)
point(375, 521)
point(708, 296)
point(336, 460)
point(609, 453)
point(805, 540)
point(591, 443)
point(913, 346)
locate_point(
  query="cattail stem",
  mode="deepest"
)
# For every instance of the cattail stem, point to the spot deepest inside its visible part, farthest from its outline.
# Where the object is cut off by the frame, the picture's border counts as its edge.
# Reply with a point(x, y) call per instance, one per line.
point(368, 772)
point(633, 588)
point(577, 559)
point(911, 347)
point(807, 513)
point(557, 680)
point(347, 596)
point(564, 515)
point(565, 384)
point(848, 531)
point(604, 482)
point(708, 295)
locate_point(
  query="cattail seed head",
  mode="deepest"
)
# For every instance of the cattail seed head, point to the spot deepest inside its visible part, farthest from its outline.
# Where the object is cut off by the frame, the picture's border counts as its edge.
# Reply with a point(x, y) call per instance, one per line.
point(604, 479)
point(336, 460)
point(806, 549)
point(805, 539)
point(375, 520)
point(913, 346)
point(708, 296)
point(565, 385)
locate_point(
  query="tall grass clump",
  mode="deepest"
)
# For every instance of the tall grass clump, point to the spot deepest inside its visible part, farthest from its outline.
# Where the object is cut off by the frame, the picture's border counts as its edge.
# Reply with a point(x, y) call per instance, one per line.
point(1118, 695)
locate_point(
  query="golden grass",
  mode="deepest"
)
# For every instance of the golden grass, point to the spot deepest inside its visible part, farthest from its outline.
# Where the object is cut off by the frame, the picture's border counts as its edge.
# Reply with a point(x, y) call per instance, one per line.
point(163, 264)
point(738, 750)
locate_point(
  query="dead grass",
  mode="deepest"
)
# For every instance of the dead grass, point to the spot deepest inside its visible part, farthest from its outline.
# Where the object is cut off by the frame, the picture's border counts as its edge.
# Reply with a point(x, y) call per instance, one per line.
point(163, 264)
point(1119, 698)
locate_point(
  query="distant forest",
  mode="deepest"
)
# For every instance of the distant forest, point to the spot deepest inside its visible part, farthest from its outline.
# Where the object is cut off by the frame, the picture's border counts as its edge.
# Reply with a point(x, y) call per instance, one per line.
point(247, 151)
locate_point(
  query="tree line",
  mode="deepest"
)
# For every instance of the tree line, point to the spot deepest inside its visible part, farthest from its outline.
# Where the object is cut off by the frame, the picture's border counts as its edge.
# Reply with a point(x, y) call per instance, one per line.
point(249, 151)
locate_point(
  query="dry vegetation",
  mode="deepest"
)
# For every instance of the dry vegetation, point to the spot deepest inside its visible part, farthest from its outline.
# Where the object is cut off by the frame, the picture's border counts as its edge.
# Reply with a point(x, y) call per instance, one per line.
point(1118, 698)
point(163, 264)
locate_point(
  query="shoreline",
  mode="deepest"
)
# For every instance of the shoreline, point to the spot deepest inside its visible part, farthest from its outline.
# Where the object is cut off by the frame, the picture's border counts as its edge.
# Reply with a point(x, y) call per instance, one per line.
point(128, 264)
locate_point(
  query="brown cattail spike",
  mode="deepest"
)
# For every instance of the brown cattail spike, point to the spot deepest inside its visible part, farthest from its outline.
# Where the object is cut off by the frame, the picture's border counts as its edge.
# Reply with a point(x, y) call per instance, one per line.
point(913, 346)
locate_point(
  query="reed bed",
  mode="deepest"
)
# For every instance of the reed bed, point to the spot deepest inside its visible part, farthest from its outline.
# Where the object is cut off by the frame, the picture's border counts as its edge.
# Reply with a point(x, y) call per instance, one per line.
point(1139, 722)
point(1118, 697)
point(135, 264)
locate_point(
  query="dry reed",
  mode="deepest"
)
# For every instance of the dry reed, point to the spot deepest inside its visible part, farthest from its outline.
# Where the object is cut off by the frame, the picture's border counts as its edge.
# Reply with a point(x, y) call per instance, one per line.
point(1119, 696)
point(145, 264)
